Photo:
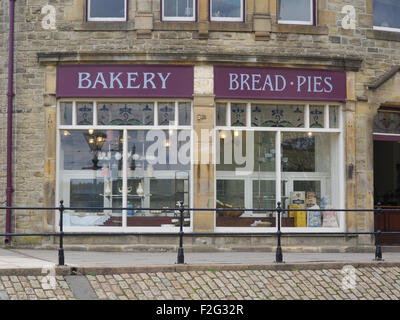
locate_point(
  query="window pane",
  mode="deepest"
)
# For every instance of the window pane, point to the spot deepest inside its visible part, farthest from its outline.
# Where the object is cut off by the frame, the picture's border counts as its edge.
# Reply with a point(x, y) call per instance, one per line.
point(185, 113)
point(295, 10)
point(166, 113)
point(238, 114)
point(310, 167)
point(135, 114)
point(66, 113)
point(91, 176)
point(317, 116)
point(277, 116)
point(107, 8)
point(226, 8)
point(221, 114)
point(85, 113)
point(333, 117)
point(178, 8)
point(386, 13)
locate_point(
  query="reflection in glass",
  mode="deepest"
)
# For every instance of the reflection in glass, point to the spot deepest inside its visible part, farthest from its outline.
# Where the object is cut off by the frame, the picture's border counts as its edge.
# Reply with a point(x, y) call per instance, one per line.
point(178, 8)
point(66, 113)
point(226, 8)
point(107, 8)
point(386, 13)
point(295, 10)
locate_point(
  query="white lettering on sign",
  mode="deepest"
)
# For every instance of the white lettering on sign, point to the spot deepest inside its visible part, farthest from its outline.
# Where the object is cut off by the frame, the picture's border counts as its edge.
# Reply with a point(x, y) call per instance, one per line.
point(122, 80)
point(279, 83)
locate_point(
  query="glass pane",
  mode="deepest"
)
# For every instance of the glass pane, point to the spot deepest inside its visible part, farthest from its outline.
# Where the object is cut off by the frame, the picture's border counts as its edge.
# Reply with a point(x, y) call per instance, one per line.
point(91, 176)
point(66, 113)
point(264, 197)
point(158, 176)
point(185, 113)
point(317, 116)
point(166, 113)
point(221, 114)
point(295, 10)
point(238, 114)
point(226, 8)
point(310, 167)
point(178, 8)
point(230, 193)
point(387, 122)
point(263, 115)
point(107, 8)
point(84, 113)
point(386, 13)
point(135, 114)
point(333, 117)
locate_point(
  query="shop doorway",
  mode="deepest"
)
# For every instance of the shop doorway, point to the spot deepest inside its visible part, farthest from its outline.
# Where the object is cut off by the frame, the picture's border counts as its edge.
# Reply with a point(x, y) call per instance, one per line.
point(387, 184)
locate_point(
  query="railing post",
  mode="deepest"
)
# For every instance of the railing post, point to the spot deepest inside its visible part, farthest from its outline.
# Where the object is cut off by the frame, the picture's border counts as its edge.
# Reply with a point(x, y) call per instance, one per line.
point(181, 257)
point(61, 248)
point(378, 249)
point(279, 257)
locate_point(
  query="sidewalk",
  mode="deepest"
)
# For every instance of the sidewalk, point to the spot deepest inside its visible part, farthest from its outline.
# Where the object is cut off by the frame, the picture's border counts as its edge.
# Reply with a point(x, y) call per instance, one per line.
point(24, 258)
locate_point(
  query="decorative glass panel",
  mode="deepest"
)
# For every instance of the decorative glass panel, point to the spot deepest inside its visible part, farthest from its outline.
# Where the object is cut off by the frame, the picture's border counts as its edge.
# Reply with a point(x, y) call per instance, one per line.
point(135, 114)
point(178, 8)
point(66, 113)
point(166, 113)
point(277, 116)
point(333, 117)
point(295, 10)
point(226, 8)
point(317, 115)
point(85, 113)
point(238, 114)
point(386, 13)
point(387, 122)
point(221, 114)
point(107, 8)
point(185, 113)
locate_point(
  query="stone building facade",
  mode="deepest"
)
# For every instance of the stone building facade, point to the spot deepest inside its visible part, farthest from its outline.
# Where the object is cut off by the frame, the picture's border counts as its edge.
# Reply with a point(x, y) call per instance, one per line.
point(369, 59)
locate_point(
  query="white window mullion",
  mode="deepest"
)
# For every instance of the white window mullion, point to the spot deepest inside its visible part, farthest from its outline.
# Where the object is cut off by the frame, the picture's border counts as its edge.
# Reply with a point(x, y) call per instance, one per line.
point(156, 113)
point(228, 114)
point(95, 113)
point(326, 118)
point(176, 113)
point(307, 116)
point(248, 115)
point(278, 172)
point(124, 178)
point(74, 114)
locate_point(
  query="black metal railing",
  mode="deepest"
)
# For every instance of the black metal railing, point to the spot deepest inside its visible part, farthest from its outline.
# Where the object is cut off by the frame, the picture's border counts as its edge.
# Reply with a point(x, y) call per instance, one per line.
point(180, 258)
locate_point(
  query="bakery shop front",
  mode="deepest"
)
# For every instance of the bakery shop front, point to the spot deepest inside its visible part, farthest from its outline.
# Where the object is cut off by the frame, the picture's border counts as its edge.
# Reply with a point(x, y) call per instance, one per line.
point(137, 137)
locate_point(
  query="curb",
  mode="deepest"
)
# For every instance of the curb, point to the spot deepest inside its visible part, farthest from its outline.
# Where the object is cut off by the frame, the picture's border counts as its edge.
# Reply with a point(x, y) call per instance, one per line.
point(106, 270)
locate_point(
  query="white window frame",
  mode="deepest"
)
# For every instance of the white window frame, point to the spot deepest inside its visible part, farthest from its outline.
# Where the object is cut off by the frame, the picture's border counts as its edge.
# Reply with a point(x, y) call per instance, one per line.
point(89, 18)
point(228, 19)
point(176, 18)
point(278, 175)
point(299, 22)
point(125, 129)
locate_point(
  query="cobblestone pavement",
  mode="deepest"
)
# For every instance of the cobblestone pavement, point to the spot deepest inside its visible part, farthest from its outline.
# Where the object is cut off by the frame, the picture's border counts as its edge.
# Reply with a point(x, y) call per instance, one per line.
point(325, 284)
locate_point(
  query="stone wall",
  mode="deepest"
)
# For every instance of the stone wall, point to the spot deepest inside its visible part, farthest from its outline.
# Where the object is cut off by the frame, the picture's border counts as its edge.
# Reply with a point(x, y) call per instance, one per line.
point(258, 41)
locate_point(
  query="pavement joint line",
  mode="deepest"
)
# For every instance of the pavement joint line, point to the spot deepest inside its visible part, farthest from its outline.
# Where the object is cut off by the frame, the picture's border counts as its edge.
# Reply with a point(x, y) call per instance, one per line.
point(106, 270)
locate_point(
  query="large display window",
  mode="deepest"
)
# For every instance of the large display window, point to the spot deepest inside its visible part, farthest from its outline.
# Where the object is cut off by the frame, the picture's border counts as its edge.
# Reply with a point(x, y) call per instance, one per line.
point(279, 151)
point(124, 154)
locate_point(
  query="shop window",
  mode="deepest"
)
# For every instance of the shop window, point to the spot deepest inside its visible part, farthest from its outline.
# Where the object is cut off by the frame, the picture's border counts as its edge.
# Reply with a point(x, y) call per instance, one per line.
point(106, 10)
point(288, 153)
point(386, 15)
point(227, 10)
point(178, 10)
point(133, 155)
point(296, 12)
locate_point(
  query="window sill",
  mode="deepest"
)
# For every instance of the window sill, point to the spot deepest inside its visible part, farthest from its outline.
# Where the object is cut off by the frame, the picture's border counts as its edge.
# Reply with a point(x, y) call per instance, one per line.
point(300, 28)
point(212, 26)
point(383, 35)
point(105, 26)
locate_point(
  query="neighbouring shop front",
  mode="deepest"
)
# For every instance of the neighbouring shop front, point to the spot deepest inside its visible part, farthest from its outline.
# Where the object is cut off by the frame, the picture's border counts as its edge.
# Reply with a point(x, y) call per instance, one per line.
point(125, 138)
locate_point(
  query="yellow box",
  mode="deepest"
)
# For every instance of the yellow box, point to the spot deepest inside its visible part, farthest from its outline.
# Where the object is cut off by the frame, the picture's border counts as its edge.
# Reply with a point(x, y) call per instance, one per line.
point(293, 206)
point(300, 219)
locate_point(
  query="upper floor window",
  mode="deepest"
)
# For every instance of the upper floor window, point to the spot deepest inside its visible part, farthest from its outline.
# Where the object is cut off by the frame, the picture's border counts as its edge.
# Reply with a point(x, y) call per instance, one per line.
point(106, 10)
point(178, 10)
point(386, 15)
point(296, 12)
point(227, 10)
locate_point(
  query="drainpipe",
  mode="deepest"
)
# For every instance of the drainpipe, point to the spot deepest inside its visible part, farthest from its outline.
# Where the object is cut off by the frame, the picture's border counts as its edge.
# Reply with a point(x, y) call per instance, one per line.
point(10, 95)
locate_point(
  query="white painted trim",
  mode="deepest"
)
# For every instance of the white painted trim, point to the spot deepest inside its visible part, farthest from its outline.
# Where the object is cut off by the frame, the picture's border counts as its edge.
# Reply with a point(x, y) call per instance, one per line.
point(388, 29)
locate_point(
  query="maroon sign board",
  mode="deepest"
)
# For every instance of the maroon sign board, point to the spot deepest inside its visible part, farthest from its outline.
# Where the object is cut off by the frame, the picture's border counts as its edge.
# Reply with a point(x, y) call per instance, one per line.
point(124, 81)
point(279, 83)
